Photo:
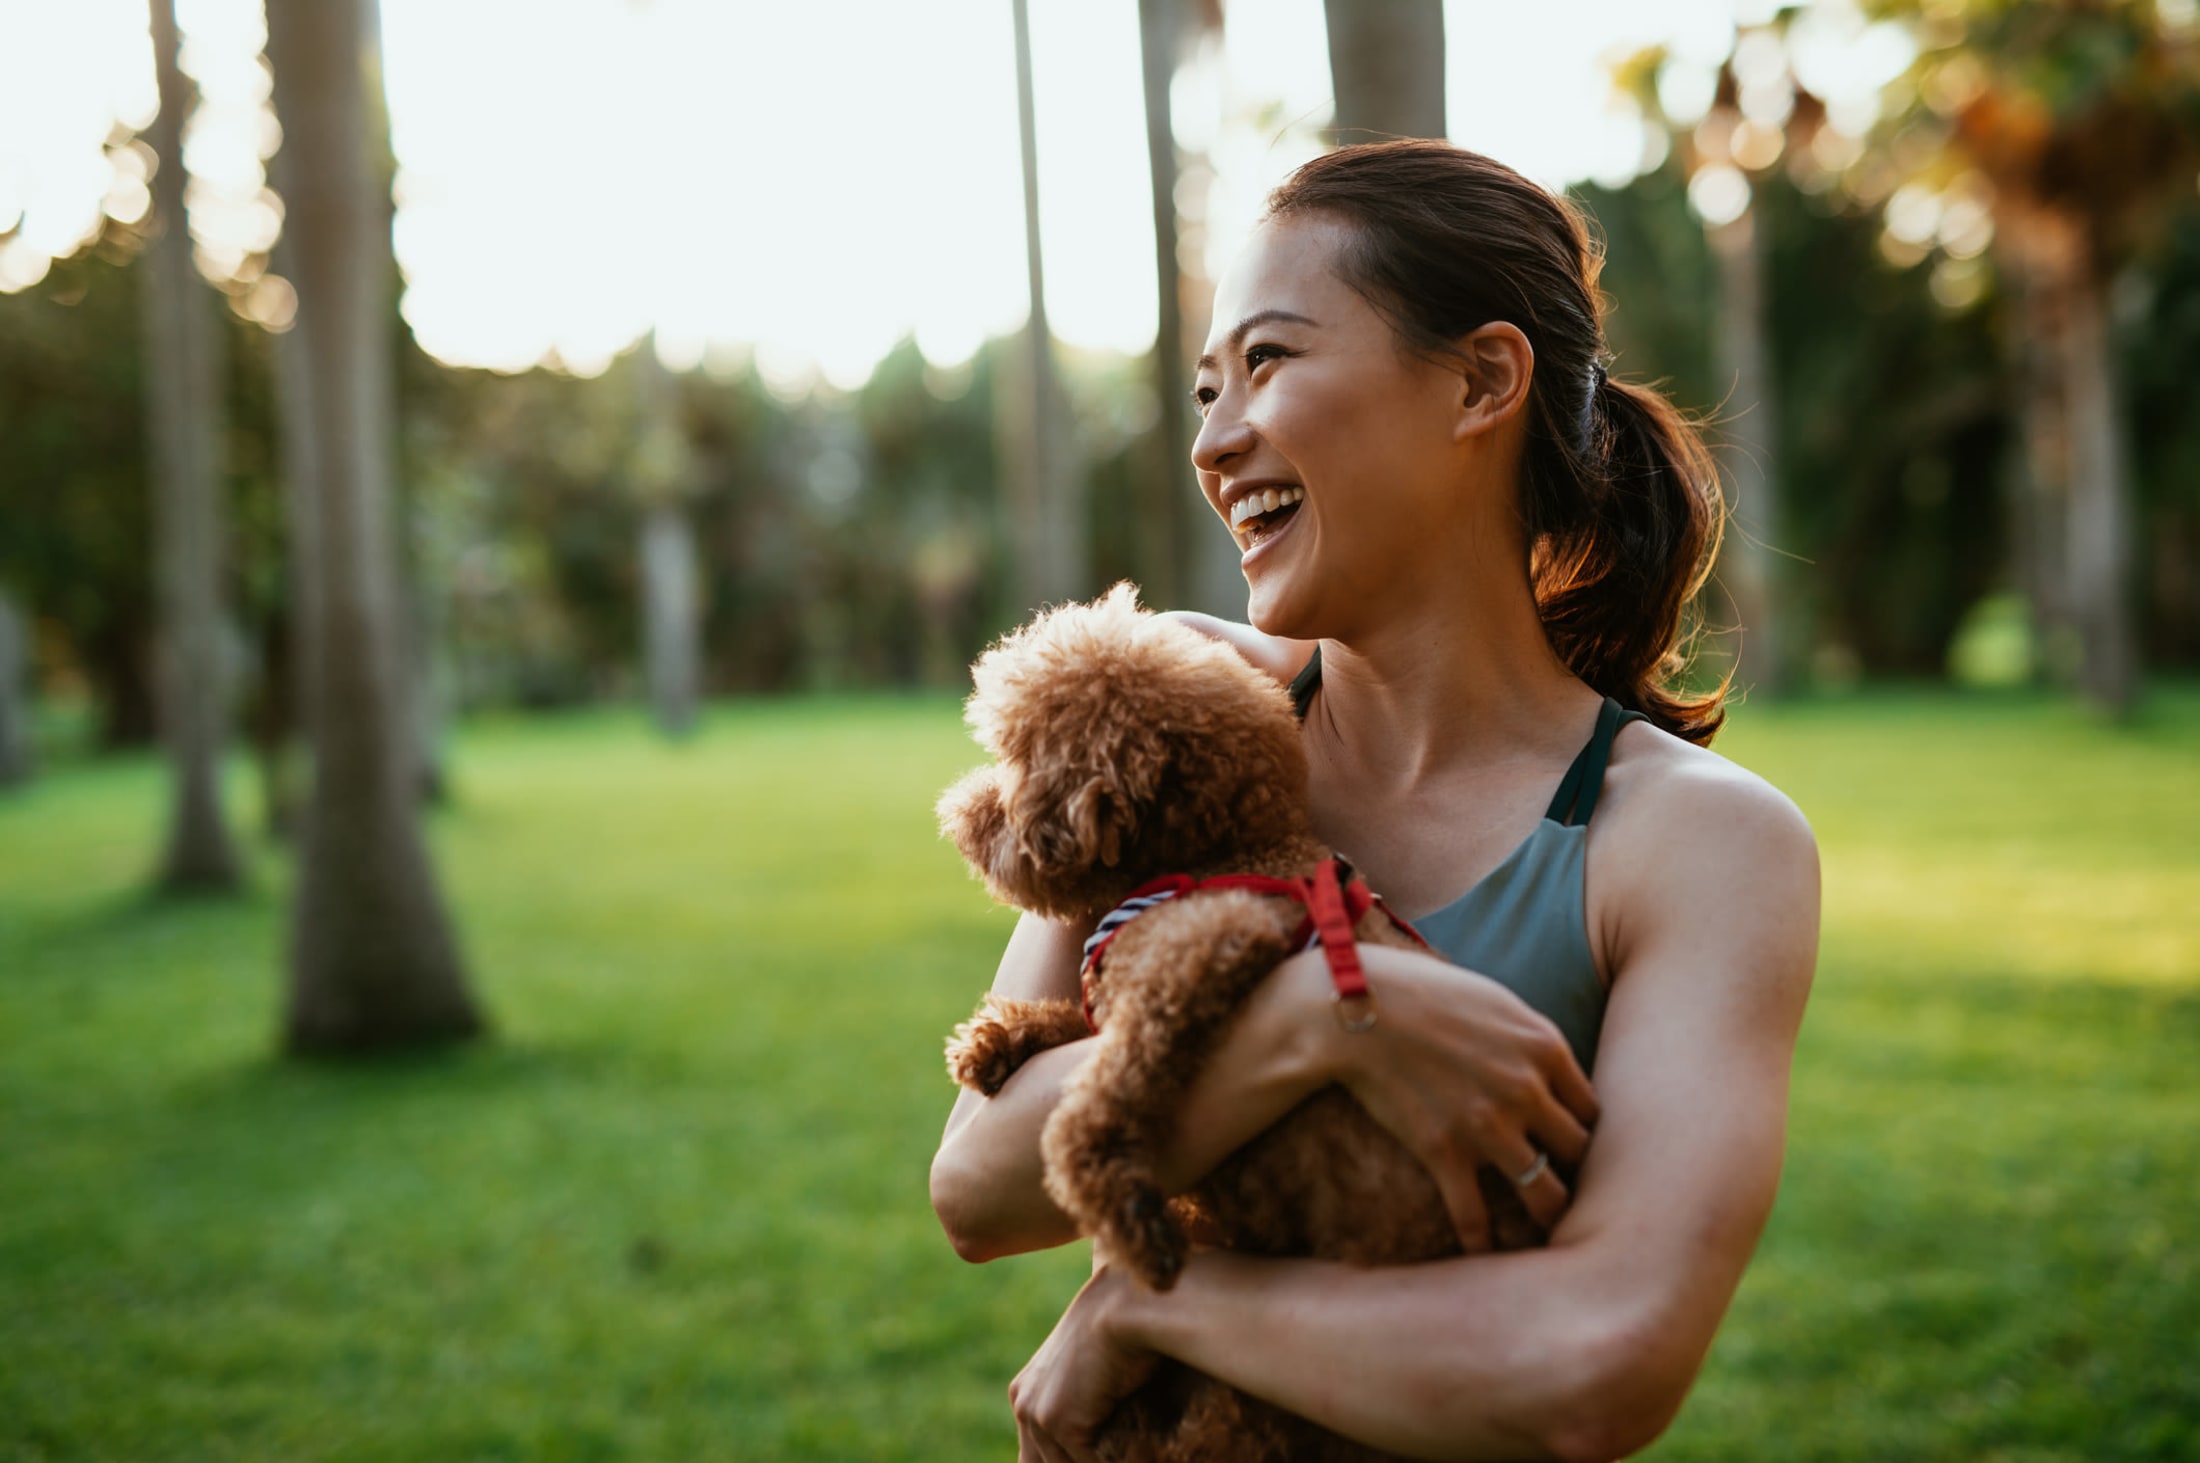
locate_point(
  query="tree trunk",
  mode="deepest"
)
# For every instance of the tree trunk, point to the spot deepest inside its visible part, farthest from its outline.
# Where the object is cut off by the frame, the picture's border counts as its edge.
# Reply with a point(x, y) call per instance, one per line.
point(671, 598)
point(1386, 64)
point(183, 379)
point(287, 754)
point(2039, 475)
point(1161, 515)
point(669, 617)
point(373, 959)
point(15, 722)
point(2100, 505)
point(1744, 360)
point(1048, 509)
point(2079, 523)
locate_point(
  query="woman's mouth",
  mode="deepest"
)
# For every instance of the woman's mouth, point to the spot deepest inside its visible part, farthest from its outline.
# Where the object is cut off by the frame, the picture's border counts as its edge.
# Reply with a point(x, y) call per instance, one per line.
point(1258, 515)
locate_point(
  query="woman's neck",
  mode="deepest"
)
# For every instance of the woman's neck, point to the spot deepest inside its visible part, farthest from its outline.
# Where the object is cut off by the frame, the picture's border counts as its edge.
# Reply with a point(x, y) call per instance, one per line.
point(1465, 679)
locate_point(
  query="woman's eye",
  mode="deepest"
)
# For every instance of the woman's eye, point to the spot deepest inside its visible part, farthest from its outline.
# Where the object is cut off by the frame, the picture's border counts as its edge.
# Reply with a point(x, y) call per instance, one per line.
point(1202, 398)
point(1259, 353)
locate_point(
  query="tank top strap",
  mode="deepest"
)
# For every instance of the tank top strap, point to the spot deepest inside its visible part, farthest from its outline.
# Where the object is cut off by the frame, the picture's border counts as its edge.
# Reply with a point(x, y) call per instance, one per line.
point(1577, 792)
point(1576, 797)
point(1303, 684)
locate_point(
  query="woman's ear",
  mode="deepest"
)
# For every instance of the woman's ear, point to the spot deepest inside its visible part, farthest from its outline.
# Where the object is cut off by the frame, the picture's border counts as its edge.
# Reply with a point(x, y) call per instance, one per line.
point(1496, 366)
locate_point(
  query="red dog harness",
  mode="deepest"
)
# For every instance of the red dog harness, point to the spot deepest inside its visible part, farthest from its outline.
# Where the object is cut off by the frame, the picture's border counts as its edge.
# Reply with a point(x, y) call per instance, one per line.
point(1333, 896)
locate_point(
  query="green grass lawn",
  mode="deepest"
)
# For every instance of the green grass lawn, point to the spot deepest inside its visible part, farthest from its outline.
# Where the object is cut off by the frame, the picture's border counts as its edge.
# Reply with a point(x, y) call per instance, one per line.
point(676, 1207)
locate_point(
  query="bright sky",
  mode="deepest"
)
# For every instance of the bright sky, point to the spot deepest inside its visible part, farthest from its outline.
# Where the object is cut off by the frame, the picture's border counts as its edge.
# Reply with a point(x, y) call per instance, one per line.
point(809, 181)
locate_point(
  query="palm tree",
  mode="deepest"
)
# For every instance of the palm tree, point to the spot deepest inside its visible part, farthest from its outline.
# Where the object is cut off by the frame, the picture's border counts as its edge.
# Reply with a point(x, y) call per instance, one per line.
point(1748, 449)
point(1386, 63)
point(671, 603)
point(1193, 561)
point(373, 959)
point(1046, 502)
point(15, 730)
point(183, 396)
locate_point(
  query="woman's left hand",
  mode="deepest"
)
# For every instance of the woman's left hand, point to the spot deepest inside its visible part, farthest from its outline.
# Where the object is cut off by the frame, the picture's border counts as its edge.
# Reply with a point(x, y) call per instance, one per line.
point(1076, 1378)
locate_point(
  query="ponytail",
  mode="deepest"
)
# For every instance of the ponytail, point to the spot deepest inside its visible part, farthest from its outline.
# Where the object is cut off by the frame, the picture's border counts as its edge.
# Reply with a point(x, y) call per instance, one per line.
point(1624, 532)
point(1619, 496)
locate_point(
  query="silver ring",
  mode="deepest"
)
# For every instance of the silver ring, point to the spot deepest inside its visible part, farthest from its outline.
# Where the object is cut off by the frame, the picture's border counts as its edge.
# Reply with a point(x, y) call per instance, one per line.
point(1534, 1171)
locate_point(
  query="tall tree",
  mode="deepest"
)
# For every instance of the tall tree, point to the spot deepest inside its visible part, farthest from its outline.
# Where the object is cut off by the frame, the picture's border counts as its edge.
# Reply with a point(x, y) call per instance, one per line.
point(297, 461)
point(672, 641)
point(1757, 114)
point(183, 396)
point(1194, 560)
point(1748, 450)
point(15, 729)
point(1386, 63)
point(1045, 494)
point(373, 958)
point(1168, 534)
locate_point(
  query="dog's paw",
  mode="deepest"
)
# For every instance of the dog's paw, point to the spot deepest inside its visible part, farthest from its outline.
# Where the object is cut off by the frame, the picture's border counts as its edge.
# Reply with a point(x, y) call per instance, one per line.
point(980, 1056)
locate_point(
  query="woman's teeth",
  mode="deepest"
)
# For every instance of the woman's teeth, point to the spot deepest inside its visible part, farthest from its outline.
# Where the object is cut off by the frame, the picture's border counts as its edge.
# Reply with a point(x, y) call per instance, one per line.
point(1264, 500)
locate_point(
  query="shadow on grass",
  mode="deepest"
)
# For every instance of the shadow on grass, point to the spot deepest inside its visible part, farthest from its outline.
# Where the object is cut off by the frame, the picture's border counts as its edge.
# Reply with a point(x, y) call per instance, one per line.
point(457, 1071)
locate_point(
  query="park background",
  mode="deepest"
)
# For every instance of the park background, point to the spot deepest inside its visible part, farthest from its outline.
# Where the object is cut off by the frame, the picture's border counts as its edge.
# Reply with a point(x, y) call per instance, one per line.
point(496, 504)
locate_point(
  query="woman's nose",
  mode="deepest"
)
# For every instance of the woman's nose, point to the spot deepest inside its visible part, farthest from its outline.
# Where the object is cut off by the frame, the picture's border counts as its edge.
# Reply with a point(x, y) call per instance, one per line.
point(1222, 436)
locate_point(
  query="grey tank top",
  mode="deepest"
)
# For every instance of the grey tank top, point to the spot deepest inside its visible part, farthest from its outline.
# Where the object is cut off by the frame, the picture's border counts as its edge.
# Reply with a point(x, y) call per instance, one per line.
point(1526, 923)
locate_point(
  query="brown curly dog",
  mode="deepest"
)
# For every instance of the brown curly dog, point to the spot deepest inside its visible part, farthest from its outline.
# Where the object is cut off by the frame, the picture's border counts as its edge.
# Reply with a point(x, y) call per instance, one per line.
point(1129, 746)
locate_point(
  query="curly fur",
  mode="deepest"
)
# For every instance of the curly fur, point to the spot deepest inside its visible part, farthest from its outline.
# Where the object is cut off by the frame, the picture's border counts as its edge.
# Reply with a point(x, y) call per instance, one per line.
point(1128, 745)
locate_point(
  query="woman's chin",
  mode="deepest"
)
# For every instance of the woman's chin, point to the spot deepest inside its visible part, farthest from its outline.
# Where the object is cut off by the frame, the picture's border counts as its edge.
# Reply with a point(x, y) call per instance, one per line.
point(1273, 609)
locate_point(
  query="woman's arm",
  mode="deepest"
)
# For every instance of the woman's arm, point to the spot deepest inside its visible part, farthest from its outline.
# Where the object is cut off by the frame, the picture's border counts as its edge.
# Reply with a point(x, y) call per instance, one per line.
point(986, 1185)
point(1584, 1350)
point(1459, 1067)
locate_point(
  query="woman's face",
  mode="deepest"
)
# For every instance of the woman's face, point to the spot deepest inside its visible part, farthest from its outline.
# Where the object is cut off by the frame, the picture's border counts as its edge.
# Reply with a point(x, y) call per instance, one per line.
point(1304, 392)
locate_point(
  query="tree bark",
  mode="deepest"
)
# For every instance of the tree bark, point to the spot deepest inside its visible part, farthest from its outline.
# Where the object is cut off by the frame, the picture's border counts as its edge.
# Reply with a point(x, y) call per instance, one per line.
point(1045, 496)
point(183, 396)
point(670, 606)
point(16, 762)
point(2100, 505)
point(2077, 540)
point(1748, 453)
point(288, 754)
point(671, 598)
point(1386, 64)
point(373, 959)
point(1161, 513)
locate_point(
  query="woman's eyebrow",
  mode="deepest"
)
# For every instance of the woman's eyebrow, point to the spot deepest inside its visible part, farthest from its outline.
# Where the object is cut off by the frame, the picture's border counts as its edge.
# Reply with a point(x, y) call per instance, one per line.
point(1258, 317)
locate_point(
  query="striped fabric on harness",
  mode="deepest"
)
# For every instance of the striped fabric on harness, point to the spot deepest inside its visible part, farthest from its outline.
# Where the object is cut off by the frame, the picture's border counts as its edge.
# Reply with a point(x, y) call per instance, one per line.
point(1334, 897)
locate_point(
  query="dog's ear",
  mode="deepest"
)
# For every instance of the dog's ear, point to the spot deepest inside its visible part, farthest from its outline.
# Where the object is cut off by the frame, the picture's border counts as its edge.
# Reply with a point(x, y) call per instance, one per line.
point(975, 819)
point(1076, 813)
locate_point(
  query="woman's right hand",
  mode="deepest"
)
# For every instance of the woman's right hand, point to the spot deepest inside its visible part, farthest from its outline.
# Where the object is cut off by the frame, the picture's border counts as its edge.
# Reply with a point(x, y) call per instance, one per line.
point(1463, 1073)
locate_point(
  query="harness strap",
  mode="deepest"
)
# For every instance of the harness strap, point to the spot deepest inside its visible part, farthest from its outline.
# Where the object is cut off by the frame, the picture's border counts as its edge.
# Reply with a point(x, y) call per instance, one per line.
point(1335, 900)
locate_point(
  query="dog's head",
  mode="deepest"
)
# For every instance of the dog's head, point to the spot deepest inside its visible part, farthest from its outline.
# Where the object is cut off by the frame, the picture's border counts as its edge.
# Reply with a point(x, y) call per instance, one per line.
point(1126, 745)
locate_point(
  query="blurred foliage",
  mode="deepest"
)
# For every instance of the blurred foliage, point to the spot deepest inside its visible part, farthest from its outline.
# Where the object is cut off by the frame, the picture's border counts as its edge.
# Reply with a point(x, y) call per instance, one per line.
point(1896, 414)
point(856, 538)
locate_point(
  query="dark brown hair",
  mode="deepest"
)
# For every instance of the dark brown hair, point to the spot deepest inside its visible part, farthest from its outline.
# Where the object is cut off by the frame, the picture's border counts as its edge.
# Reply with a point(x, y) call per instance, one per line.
point(1618, 494)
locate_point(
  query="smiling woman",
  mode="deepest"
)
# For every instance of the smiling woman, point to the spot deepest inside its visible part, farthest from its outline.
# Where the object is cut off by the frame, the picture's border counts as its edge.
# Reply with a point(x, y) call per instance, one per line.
point(1470, 550)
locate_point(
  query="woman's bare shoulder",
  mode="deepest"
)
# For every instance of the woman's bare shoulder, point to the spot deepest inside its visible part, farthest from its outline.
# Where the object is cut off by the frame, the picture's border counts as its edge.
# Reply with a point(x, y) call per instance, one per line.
point(1281, 658)
point(1692, 838)
point(1659, 783)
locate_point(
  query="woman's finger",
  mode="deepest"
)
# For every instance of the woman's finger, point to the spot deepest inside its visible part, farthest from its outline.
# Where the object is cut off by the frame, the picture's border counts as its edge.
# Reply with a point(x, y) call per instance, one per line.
point(1561, 1135)
point(1463, 1198)
point(1572, 1088)
point(1545, 1195)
